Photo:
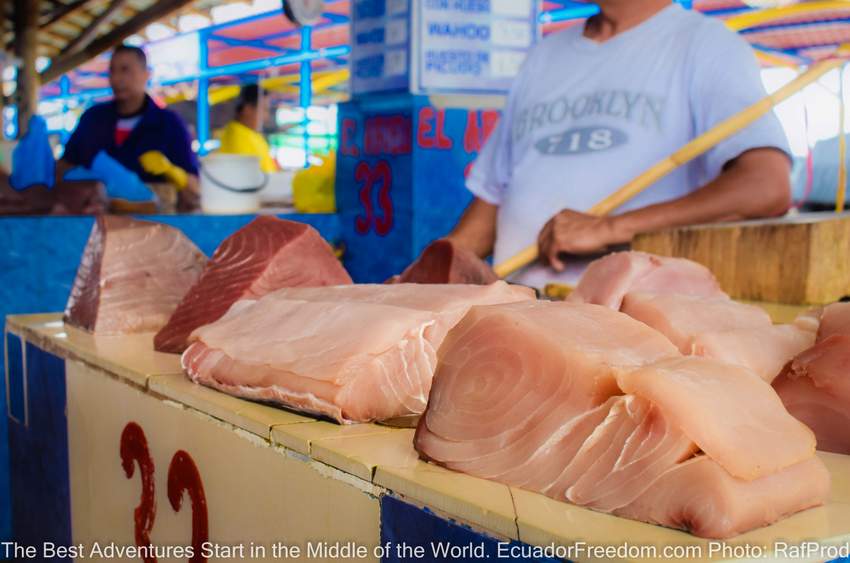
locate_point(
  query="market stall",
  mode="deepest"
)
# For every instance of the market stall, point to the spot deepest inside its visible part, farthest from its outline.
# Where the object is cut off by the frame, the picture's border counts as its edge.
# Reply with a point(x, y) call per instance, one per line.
point(132, 452)
point(116, 450)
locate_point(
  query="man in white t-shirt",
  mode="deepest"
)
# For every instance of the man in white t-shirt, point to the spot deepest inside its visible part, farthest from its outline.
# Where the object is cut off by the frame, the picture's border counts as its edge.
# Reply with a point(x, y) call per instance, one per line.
point(596, 105)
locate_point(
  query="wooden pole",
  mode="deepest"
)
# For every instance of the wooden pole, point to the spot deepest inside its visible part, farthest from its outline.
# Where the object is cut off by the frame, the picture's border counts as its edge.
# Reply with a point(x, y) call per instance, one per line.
point(690, 151)
point(841, 192)
point(26, 14)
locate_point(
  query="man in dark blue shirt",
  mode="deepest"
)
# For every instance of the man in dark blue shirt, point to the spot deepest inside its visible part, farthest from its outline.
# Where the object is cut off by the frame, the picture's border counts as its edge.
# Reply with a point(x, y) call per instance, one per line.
point(151, 141)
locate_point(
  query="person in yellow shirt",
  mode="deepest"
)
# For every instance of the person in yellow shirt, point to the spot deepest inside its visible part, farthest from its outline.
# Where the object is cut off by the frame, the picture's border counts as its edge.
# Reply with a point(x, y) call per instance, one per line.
point(242, 135)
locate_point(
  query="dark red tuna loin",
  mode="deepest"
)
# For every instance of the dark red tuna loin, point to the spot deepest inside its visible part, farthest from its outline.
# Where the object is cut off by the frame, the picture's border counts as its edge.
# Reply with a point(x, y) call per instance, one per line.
point(132, 276)
point(266, 254)
point(445, 262)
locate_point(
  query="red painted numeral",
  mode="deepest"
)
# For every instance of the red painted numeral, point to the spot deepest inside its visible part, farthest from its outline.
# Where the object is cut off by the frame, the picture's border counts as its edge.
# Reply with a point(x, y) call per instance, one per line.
point(183, 477)
point(134, 449)
point(368, 177)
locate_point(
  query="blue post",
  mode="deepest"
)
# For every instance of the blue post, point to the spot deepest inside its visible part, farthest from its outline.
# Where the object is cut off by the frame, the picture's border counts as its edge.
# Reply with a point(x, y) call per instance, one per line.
point(306, 88)
point(203, 100)
point(65, 89)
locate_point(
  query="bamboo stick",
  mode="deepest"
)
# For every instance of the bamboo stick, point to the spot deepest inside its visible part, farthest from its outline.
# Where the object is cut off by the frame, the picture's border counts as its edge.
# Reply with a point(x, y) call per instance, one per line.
point(688, 152)
point(840, 193)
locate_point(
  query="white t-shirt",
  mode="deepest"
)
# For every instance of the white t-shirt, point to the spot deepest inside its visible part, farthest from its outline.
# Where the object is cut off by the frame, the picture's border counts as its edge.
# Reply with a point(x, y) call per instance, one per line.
point(583, 118)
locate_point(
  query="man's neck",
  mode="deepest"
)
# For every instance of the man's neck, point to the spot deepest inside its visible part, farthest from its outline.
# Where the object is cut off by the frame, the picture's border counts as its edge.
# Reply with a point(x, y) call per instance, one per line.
point(249, 123)
point(617, 16)
point(130, 107)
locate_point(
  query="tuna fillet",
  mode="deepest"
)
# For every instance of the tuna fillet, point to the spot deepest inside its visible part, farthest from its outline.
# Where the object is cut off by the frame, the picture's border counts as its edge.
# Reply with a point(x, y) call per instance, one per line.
point(530, 394)
point(354, 354)
point(700, 497)
point(607, 280)
point(521, 387)
point(722, 329)
point(733, 416)
point(815, 386)
point(265, 255)
point(445, 262)
point(834, 320)
point(132, 276)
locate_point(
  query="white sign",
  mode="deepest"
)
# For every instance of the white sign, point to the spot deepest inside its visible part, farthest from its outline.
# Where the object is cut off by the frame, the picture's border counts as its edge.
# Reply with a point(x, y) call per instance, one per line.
point(473, 45)
point(380, 45)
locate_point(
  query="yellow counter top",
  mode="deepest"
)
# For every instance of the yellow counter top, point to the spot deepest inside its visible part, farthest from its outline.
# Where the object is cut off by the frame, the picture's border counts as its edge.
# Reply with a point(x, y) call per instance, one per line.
point(383, 458)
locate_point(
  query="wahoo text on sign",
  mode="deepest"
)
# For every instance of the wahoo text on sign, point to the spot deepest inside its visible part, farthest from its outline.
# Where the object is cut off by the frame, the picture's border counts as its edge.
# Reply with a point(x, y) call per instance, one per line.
point(471, 31)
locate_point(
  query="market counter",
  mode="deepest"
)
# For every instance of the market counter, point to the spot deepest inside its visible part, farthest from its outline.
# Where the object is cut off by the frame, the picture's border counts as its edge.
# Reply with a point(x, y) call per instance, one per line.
point(110, 443)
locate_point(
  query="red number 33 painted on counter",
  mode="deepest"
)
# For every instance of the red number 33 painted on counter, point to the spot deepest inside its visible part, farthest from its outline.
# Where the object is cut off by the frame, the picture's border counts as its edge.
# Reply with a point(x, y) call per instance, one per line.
point(369, 177)
point(183, 477)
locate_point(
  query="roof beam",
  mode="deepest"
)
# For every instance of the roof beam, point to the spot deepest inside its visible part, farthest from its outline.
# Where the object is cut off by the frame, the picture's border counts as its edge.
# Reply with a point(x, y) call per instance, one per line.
point(102, 19)
point(69, 61)
point(60, 13)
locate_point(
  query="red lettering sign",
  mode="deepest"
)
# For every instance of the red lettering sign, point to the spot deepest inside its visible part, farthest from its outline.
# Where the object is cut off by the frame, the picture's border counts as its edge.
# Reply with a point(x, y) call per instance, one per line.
point(368, 177)
point(431, 133)
point(490, 117)
point(348, 134)
point(479, 127)
point(472, 133)
point(387, 135)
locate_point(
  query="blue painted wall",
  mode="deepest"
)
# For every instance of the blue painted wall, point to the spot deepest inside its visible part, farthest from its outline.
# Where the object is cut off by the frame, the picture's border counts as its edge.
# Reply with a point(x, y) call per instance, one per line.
point(403, 524)
point(400, 175)
point(38, 440)
point(38, 266)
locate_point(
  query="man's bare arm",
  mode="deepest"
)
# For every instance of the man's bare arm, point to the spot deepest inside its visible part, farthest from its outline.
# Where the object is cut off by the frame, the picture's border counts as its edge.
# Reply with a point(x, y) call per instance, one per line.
point(189, 198)
point(62, 168)
point(476, 230)
point(756, 184)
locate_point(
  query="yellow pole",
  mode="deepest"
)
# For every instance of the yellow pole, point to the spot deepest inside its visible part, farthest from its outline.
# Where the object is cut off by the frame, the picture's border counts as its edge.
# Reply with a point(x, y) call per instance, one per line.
point(757, 17)
point(691, 150)
point(840, 193)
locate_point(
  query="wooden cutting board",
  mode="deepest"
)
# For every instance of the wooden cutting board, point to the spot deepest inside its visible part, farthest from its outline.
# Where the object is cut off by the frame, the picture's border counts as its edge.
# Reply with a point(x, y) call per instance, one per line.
point(799, 260)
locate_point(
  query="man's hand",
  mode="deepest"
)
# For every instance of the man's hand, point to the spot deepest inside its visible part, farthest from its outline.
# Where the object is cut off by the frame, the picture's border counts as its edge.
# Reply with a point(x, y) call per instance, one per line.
point(189, 199)
point(571, 232)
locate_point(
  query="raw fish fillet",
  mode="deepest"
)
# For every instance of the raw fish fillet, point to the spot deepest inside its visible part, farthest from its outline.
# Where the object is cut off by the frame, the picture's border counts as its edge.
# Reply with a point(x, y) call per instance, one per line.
point(449, 302)
point(607, 280)
point(734, 416)
point(720, 328)
point(445, 262)
point(835, 320)
point(354, 354)
point(765, 351)
point(132, 276)
point(809, 320)
point(530, 394)
point(266, 254)
point(698, 496)
point(815, 388)
point(485, 412)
